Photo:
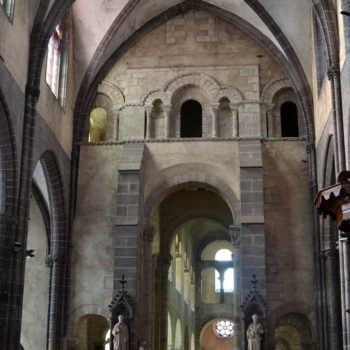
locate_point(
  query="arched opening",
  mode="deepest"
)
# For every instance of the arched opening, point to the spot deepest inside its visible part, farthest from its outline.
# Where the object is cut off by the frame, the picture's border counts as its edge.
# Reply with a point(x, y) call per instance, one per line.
point(191, 119)
point(289, 120)
point(228, 284)
point(187, 221)
point(293, 332)
point(218, 334)
point(92, 331)
point(226, 125)
point(157, 119)
point(98, 125)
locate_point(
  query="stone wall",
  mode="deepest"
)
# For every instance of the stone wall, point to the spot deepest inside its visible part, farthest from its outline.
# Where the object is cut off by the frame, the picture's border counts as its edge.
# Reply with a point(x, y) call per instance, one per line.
point(288, 231)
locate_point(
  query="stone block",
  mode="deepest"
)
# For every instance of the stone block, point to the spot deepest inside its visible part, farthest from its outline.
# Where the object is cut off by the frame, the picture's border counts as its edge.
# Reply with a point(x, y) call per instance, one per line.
point(179, 33)
point(170, 40)
point(203, 38)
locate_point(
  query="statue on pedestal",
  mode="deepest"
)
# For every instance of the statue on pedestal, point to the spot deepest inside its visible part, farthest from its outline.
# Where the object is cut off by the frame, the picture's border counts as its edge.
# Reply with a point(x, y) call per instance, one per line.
point(121, 335)
point(254, 332)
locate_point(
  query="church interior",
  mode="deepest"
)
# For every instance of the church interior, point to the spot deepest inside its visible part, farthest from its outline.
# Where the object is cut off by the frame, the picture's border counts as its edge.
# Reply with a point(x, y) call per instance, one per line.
point(176, 166)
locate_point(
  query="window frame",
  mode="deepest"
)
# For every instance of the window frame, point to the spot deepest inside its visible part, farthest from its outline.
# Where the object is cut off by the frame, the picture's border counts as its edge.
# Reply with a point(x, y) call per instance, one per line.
point(217, 274)
point(63, 64)
point(8, 6)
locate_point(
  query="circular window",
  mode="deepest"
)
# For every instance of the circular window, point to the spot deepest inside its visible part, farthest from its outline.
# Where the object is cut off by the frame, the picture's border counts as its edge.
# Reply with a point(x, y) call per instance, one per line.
point(224, 329)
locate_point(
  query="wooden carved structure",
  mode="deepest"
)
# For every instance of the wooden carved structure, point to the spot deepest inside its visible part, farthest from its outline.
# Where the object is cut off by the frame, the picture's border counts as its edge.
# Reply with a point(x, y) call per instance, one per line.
point(335, 201)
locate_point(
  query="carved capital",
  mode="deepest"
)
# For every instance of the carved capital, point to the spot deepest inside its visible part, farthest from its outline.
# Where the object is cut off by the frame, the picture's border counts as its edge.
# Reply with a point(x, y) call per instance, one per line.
point(235, 235)
point(33, 91)
point(310, 147)
point(52, 259)
point(329, 253)
point(333, 71)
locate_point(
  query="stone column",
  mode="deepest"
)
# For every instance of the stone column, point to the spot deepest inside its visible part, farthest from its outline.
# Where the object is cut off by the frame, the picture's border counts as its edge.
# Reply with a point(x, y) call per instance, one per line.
point(330, 257)
point(252, 221)
point(57, 264)
point(345, 284)
point(116, 127)
point(235, 121)
point(330, 287)
point(235, 235)
point(148, 111)
point(163, 264)
point(126, 230)
point(8, 247)
point(338, 124)
point(167, 121)
point(214, 117)
point(144, 292)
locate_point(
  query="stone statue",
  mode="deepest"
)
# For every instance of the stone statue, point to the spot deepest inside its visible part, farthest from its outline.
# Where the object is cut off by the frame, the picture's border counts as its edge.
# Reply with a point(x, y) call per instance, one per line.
point(121, 335)
point(142, 345)
point(254, 332)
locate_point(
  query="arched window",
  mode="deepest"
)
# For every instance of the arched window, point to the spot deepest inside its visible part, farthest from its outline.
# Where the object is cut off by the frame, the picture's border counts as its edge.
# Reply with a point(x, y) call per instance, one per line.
point(191, 119)
point(57, 62)
point(224, 255)
point(289, 120)
point(8, 6)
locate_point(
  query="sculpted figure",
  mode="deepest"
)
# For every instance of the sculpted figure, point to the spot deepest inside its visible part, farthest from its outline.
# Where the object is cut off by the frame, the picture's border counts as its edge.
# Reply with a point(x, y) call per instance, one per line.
point(142, 345)
point(121, 335)
point(254, 332)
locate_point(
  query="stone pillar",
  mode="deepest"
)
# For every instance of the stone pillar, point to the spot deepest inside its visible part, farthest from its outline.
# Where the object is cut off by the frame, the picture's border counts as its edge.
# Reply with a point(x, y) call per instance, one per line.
point(147, 282)
point(148, 111)
point(160, 332)
point(214, 117)
point(333, 301)
point(115, 125)
point(330, 287)
point(345, 284)
point(338, 124)
point(235, 121)
point(235, 235)
point(57, 264)
point(252, 221)
point(126, 229)
point(8, 248)
point(18, 260)
point(250, 115)
point(167, 121)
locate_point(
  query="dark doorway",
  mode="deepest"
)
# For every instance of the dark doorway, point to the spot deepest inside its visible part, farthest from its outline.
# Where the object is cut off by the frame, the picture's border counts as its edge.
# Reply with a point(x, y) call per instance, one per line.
point(289, 120)
point(191, 119)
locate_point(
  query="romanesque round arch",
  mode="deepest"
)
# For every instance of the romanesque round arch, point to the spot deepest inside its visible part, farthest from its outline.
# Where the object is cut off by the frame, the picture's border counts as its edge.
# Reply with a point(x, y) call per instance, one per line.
point(113, 92)
point(204, 177)
point(294, 322)
point(231, 93)
point(91, 309)
point(180, 221)
point(201, 80)
point(151, 96)
point(272, 88)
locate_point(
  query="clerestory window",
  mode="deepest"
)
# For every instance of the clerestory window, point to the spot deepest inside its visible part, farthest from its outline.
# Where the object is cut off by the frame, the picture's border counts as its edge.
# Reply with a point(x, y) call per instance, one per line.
point(56, 64)
point(8, 6)
point(228, 283)
point(289, 120)
point(191, 119)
